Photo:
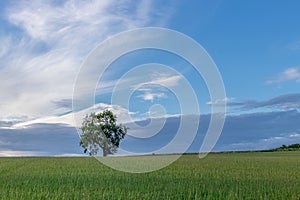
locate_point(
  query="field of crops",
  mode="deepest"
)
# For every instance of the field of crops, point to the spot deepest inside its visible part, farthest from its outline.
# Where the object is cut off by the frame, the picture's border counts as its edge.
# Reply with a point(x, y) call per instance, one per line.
point(269, 175)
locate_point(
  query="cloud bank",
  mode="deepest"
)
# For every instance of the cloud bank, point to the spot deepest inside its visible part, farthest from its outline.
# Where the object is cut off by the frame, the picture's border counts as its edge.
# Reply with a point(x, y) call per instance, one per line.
point(283, 102)
point(254, 131)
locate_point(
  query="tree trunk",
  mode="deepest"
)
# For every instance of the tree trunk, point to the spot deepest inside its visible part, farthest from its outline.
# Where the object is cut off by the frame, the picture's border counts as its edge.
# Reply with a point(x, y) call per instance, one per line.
point(104, 152)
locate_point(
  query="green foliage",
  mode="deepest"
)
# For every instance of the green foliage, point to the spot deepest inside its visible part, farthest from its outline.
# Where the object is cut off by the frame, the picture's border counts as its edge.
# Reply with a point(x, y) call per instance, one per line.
point(257, 175)
point(101, 131)
point(295, 146)
point(292, 147)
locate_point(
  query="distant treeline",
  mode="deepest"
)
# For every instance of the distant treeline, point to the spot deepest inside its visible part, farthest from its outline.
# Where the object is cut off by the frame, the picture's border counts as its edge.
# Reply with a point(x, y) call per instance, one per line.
point(292, 147)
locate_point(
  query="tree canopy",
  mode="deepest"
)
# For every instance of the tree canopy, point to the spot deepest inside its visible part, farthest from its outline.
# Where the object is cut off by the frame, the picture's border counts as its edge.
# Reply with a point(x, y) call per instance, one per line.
point(292, 147)
point(101, 131)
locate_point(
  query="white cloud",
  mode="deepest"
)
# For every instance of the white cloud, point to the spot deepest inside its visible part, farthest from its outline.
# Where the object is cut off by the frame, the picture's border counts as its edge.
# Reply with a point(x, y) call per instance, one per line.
point(289, 74)
point(151, 96)
point(153, 82)
point(219, 102)
point(294, 135)
point(165, 80)
point(150, 88)
point(68, 119)
point(42, 53)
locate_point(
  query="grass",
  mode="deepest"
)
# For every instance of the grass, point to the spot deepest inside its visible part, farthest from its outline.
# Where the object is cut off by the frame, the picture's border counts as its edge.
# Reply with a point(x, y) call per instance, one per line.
point(256, 175)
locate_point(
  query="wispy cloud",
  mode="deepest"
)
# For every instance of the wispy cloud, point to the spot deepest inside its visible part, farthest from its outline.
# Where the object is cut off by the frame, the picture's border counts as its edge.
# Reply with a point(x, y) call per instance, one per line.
point(288, 101)
point(151, 82)
point(220, 102)
point(166, 80)
point(283, 102)
point(68, 119)
point(151, 89)
point(46, 42)
point(289, 74)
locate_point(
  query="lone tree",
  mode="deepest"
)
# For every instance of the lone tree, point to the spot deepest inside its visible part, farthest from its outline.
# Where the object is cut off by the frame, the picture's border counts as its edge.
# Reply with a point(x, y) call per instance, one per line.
point(101, 131)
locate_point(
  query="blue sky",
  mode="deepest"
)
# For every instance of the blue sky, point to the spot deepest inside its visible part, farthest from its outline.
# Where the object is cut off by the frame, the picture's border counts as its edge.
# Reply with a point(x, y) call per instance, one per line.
point(251, 42)
point(255, 45)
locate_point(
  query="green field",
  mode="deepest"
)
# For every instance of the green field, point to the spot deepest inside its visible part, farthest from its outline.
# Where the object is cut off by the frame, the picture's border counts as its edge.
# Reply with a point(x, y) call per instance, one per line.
point(256, 175)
